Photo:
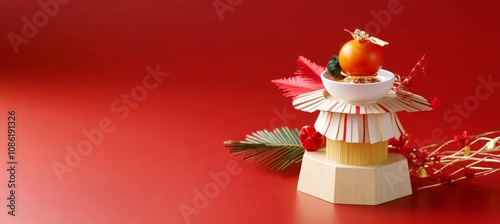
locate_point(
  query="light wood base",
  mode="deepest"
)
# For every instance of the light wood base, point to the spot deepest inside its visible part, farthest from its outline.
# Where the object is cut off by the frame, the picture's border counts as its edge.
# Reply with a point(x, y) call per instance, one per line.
point(360, 185)
point(357, 154)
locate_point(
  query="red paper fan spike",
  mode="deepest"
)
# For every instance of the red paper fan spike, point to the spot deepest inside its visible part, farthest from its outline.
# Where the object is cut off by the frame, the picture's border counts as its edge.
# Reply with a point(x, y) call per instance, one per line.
point(309, 69)
point(308, 79)
point(297, 85)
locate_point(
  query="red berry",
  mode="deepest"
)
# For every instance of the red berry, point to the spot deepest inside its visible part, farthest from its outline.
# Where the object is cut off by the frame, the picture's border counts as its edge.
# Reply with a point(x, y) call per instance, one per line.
point(310, 139)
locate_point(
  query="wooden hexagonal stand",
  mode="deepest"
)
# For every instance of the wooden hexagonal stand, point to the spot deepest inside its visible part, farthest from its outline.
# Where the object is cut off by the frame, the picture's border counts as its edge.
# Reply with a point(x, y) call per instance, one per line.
point(360, 185)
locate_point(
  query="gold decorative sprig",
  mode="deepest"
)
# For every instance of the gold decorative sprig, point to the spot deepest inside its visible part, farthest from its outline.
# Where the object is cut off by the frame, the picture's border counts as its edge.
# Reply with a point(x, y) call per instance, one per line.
point(441, 164)
point(360, 35)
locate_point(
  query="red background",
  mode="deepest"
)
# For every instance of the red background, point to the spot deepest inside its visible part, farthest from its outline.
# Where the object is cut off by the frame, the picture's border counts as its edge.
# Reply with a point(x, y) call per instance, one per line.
point(64, 80)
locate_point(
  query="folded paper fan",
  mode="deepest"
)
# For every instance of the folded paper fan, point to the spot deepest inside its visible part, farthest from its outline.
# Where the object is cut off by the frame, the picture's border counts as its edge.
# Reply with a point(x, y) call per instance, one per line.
point(393, 102)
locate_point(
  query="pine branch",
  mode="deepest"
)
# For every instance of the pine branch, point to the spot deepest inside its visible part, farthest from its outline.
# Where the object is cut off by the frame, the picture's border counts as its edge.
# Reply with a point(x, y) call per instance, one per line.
point(276, 149)
point(334, 68)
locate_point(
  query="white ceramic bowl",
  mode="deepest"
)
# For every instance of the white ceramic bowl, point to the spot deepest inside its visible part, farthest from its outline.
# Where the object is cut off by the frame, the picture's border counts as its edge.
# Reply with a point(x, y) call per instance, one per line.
point(359, 93)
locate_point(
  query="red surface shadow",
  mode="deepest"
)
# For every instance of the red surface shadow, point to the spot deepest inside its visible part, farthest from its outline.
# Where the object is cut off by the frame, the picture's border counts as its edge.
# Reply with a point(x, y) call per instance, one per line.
point(65, 79)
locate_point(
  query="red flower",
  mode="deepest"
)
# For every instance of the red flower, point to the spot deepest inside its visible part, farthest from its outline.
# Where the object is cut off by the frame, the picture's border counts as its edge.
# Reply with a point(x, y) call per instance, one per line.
point(464, 139)
point(436, 158)
point(435, 103)
point(310, 139)
point(418, 70)
point(401, 145)
point(394, 142)
point(417, 157)
point(469, 173)
point(444, 178)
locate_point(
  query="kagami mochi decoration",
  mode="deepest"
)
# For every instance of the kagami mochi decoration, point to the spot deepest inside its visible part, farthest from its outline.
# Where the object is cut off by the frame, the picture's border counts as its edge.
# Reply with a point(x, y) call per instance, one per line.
point(345, 155)
point(359, 59)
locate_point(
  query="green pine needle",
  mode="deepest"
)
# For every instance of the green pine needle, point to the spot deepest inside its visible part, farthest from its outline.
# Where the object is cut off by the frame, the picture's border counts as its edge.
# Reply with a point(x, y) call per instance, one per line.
point(277, 149)
point(334, 68)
